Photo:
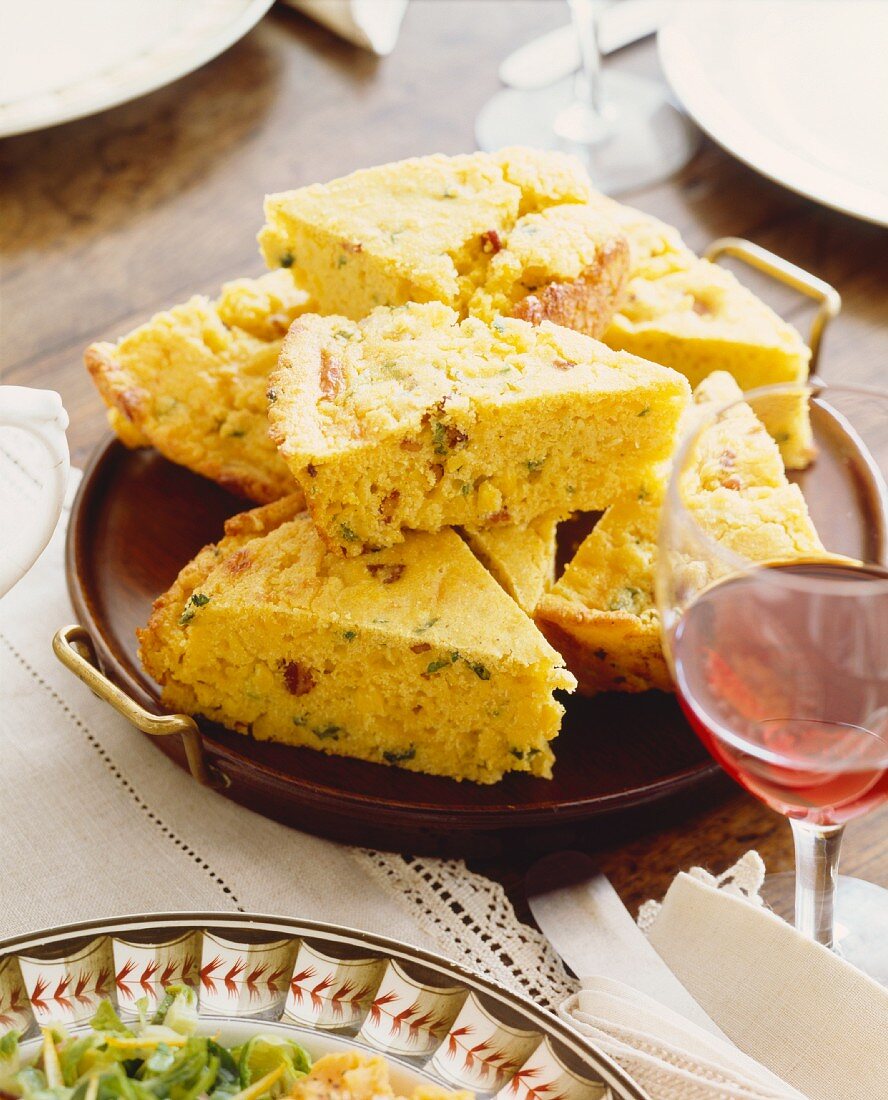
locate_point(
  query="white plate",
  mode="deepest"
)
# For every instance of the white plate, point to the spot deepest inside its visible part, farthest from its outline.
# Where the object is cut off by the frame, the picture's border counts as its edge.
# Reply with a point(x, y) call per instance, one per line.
point(798, 89)
point(63, 59)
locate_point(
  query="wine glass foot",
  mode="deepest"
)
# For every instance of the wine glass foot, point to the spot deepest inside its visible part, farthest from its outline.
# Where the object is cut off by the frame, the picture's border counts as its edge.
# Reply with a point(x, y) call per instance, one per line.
point(861, 919)
point(641, 137)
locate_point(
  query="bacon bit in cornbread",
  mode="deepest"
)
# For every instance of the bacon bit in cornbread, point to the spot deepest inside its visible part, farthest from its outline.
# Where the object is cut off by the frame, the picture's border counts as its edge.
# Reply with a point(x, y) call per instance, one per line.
point(490, 242)
point(454, 436)
point(239, 562)
point(502, 516)
point(331, 376)
point(298, 679)
point(388, 574)
point(388, 504)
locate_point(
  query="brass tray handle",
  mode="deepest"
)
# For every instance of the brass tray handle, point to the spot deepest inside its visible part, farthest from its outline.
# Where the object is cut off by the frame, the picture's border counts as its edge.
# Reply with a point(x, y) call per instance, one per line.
point(790, 275)
point(74, 648)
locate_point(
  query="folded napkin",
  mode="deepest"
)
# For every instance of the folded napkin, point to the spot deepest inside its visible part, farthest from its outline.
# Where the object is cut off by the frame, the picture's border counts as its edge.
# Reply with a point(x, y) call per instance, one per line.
point(372, 24)
point(784, 1017)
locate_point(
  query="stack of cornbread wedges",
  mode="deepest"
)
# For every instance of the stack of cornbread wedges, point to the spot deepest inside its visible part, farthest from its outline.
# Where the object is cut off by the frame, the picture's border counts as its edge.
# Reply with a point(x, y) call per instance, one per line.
point(450, 356)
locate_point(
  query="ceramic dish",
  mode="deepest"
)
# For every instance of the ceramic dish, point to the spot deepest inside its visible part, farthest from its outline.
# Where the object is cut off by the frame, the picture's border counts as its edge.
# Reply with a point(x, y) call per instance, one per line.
point(330, 987)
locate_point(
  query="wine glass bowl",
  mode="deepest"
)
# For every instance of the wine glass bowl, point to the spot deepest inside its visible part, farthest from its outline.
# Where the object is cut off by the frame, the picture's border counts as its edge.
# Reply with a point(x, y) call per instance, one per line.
point(778, 670)
point(781, 665)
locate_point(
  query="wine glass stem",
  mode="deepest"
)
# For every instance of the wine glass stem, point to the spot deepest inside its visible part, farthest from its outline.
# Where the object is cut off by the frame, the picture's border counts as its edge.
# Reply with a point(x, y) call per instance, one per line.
point(585, 21)
point(817, 862)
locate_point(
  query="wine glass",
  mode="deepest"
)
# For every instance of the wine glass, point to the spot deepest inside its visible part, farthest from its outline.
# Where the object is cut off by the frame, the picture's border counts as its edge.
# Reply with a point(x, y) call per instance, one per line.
point(623, 127)
point(781, 665)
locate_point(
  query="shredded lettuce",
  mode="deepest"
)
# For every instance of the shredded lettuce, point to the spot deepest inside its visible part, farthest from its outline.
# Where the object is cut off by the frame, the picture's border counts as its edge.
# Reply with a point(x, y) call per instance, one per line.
point(180, 1013)
point(9, 1056)
point(156, 1058)
point(106, 1019)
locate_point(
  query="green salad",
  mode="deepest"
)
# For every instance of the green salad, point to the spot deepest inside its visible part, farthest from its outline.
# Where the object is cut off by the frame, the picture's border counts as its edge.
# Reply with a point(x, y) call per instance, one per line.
point(156, 1057)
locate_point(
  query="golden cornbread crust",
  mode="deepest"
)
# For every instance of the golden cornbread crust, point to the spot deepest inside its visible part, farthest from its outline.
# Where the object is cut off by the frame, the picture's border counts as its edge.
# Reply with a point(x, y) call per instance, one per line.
point(587, 303)
point(606, 651)
point(601, 614)
point(412, 657)
point(413, 419)
point(486, 234)
point(191, 382)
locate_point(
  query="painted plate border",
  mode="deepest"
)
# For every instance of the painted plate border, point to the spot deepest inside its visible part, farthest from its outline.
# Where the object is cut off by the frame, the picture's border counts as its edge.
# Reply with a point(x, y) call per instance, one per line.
point(236, 940)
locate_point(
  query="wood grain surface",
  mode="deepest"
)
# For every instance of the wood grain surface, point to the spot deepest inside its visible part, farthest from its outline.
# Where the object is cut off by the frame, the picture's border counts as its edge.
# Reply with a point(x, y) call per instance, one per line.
point(106, 220)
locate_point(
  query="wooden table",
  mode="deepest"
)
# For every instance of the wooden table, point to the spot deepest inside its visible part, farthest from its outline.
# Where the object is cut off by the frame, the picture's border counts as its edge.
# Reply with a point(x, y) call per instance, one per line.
point(106, 220)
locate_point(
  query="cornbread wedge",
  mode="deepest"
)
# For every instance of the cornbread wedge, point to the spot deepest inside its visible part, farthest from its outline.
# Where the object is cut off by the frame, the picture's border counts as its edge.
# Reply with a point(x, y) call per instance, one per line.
point(700, 319)
point(696, 317)
point(192, 383)
point(415, 419)
point(353, 1075)
point(509, 233)
point(411, 656)
point(522, 559)
point(601, 615)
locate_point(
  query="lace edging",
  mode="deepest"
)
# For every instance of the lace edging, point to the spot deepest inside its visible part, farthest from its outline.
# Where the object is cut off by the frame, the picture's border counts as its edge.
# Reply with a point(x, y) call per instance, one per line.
point(471, 920)
point(743, 879)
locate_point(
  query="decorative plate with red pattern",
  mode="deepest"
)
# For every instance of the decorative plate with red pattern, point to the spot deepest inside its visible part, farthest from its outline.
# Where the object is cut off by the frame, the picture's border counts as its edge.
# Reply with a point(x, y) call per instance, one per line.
point(333, 987)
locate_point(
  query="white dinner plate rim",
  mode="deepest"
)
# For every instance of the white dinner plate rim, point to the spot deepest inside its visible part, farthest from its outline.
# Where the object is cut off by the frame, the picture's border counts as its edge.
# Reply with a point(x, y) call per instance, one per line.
point(724, 123)
point(42, 111)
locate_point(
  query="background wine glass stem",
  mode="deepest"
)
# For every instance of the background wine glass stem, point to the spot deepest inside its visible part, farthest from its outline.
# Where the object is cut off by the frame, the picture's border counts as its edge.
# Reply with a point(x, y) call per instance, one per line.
point(817, 859)
point(588, 84)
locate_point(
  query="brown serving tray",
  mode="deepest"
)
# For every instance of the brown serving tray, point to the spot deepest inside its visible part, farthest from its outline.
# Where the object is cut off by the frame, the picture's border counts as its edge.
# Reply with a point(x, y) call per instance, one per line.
point(137, 519)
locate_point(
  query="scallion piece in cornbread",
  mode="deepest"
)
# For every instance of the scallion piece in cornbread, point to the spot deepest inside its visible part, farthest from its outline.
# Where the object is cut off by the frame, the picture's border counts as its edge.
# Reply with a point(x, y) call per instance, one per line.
point(601, 613)
point(412, 656)
point(510, 232)
point(414, 419)
point(192, 383)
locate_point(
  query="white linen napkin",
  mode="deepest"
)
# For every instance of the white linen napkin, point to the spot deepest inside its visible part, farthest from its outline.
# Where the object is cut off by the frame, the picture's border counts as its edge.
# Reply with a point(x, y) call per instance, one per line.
point(805, 1023)
point(372, 24)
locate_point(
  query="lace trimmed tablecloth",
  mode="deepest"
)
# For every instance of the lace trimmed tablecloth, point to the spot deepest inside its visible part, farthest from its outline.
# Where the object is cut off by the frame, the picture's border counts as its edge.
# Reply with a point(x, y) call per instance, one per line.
point(97, 822)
